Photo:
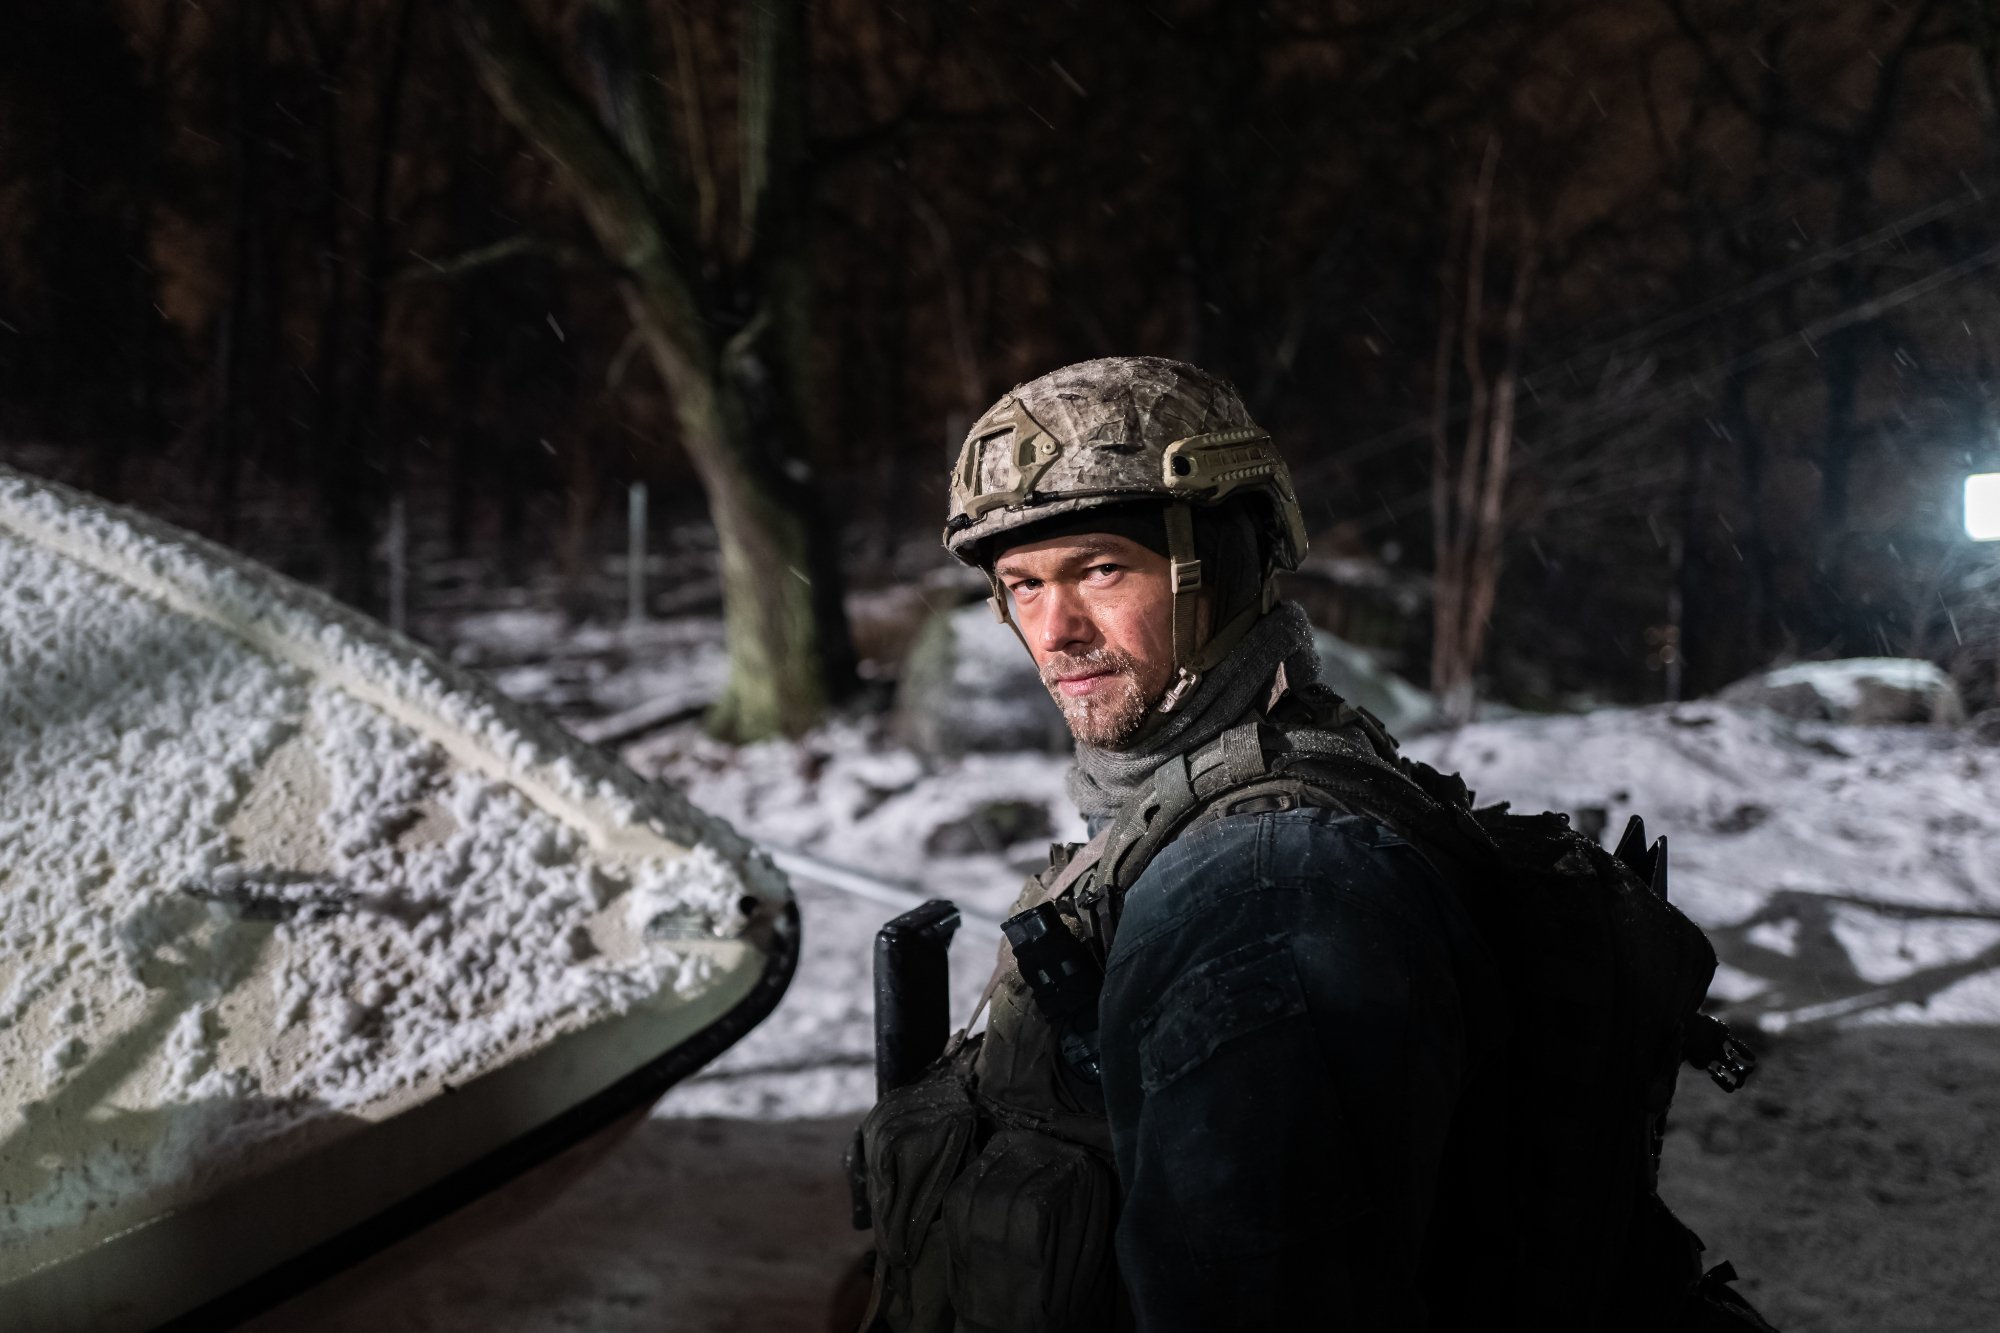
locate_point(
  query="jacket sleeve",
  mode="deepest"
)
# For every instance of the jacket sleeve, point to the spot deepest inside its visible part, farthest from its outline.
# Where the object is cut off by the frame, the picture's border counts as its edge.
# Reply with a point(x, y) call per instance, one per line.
point(1284, 1046)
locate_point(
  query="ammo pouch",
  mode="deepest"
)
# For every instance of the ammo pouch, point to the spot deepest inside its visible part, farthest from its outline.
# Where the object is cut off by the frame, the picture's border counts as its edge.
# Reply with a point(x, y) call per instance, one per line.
point(984, 1224)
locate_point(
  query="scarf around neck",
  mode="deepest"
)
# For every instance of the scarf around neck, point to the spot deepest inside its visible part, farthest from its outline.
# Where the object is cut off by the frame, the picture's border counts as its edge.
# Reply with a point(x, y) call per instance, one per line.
point(1103, 779)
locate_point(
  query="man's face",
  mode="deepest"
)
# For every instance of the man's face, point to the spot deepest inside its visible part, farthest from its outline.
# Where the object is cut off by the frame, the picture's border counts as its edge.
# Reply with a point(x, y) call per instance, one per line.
point(1097, 612)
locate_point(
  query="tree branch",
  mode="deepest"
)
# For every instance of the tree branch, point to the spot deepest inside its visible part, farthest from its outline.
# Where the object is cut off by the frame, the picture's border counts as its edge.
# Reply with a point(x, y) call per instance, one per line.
point(1718, 70)
point(617, 38)
point(773, 123)
point(533, 94)
point(908, 123)
point(694, 120)
point(485, 256)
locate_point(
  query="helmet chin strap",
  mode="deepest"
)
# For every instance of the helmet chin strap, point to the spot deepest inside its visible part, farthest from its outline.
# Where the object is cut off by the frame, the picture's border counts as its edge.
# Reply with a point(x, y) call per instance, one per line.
point(998, 601)
point(1191, 660)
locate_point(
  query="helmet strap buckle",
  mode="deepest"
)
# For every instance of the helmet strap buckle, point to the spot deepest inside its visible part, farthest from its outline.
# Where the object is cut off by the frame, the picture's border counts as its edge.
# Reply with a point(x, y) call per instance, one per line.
point(1184, 680)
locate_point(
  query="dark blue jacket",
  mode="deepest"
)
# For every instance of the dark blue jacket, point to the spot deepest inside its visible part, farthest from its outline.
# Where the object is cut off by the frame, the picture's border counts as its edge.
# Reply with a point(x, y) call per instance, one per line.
point(1299, 1025)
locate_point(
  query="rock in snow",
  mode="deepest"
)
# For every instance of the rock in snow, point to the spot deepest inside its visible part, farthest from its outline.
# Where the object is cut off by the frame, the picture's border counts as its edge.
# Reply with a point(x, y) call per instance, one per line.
point(1357, 677)
point(968, 685)
point(1862, 690)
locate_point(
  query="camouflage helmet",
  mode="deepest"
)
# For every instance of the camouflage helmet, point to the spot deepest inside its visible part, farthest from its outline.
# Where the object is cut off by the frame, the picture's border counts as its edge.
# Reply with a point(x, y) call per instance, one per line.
point(1105, 433)
point(1108, 432)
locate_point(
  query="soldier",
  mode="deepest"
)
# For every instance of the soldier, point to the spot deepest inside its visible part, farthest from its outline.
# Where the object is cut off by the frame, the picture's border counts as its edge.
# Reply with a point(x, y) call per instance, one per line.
point(1246, 1071)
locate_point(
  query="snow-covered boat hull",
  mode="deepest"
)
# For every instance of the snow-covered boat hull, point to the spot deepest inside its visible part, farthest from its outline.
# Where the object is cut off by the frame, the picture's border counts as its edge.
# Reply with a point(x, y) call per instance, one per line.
point(309, 937)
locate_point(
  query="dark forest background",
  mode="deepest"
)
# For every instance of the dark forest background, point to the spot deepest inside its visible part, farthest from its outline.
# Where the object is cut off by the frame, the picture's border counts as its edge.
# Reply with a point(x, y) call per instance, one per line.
point(1619, 348)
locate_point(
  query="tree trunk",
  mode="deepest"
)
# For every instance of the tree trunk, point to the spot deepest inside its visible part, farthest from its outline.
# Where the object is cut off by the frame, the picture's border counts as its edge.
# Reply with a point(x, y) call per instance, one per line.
point(780, 658)
point(1761, 601)
point(737, 397)
point(1688, 575)
point(1468, 492)
point(234, 335)
point(343, 528)
point(467, 365)
point(363, 495)
point(142, 210)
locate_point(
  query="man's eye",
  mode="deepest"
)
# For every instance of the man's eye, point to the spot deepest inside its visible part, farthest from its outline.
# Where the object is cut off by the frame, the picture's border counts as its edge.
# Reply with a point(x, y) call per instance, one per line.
point(1024, 585)
point(1105, 569)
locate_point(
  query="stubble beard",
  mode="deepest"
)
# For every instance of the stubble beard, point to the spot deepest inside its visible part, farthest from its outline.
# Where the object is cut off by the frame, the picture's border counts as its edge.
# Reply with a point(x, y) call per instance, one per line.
point(1112, 713)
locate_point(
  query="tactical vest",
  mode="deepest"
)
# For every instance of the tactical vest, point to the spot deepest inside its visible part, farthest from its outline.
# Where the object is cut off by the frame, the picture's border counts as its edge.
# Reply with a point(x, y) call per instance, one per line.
point(990, 1180)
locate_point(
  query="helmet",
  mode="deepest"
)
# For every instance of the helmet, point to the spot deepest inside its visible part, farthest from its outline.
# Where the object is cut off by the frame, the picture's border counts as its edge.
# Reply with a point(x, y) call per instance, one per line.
point(1106, 433)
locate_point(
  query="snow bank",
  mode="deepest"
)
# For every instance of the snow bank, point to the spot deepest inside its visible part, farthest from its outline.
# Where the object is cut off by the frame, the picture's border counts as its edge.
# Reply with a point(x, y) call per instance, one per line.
point(265, 871)
point(592, 671)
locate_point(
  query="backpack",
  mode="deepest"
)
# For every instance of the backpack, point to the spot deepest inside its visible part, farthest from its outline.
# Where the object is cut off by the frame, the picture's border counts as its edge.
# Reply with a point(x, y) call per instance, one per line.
point(1604, 977)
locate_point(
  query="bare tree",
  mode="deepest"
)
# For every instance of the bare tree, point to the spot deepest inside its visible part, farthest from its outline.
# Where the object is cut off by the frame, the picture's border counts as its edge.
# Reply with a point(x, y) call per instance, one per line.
point(355, 270)
point(1469, 478)
point(723, 324)
point(243, 320)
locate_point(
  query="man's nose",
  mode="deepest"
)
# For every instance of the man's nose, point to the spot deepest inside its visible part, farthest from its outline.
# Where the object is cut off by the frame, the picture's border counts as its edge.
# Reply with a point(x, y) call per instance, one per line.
point(1067, 627)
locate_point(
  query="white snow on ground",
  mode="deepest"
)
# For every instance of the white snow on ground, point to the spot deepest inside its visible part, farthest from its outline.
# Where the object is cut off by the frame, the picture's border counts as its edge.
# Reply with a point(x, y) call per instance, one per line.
point(658, 665)
point(235, 900)
point(1846, 874)
point(847, 796)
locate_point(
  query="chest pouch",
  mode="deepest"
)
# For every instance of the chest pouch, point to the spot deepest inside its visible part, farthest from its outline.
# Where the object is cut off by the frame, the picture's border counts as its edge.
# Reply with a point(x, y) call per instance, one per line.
point(1028, 1230)
point(914, 1142)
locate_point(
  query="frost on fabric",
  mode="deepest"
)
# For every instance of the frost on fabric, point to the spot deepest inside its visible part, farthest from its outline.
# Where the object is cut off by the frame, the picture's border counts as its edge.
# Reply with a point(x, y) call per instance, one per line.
point(688, 896)
point(237, 903)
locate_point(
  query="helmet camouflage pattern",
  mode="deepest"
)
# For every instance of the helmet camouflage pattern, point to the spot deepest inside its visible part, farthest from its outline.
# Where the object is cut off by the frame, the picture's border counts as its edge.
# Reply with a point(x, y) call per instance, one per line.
point(1110, 432)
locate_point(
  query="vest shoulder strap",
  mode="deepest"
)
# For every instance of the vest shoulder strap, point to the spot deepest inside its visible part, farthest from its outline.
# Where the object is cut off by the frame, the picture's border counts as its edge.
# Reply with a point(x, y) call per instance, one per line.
point(1314, 749)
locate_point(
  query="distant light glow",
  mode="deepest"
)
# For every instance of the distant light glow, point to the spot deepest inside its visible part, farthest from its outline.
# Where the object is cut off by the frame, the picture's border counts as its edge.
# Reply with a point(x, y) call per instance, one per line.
point(1982, 507)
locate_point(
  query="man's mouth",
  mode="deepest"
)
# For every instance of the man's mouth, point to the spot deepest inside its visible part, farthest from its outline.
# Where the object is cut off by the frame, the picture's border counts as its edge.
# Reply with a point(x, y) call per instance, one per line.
point(1077, 686)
